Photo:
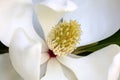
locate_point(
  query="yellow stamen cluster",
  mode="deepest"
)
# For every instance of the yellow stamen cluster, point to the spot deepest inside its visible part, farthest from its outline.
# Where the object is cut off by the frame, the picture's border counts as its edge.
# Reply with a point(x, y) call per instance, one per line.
point(64, 37)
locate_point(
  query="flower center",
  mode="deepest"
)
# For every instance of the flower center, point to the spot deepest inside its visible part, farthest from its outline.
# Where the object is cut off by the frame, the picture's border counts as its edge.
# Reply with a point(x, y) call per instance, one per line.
point(64, 37)
point(51, 54)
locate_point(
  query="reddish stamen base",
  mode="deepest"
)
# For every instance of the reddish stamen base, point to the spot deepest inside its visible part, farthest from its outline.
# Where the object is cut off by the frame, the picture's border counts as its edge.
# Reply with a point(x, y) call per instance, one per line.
point(51, 54)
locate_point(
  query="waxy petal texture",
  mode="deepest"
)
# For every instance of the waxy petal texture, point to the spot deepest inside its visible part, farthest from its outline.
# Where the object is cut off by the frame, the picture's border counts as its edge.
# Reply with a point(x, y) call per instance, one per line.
point(25, 55)
point(7, 71)
point(94, 66)
point(99, 19)
point(14, 14)
point(114, 71)
point(54, 71)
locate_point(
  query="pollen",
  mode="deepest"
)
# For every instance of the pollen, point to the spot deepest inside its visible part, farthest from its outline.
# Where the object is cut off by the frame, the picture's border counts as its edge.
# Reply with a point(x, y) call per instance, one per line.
point(63, 37)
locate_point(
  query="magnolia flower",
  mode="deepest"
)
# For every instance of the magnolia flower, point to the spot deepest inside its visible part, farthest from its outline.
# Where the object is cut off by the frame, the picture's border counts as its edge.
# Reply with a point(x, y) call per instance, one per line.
point(35, 59)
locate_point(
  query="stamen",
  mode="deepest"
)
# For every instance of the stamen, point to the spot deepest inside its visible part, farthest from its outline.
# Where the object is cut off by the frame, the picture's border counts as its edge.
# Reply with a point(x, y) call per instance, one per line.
point(64, 37)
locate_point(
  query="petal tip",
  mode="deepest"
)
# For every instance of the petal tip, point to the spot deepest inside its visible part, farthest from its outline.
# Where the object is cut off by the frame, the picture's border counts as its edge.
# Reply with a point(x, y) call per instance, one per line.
point(59, 5)
point(115, 46)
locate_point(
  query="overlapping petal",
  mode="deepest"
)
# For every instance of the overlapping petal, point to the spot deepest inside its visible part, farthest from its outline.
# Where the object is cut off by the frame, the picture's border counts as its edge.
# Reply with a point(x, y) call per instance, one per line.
point(14, 14)
point(93, 67)
point(50, 12)
point(25, 55)
point(99, 19)
point(7, 71)
point(114, 71)
point(69, 73)
point(54, 71)
point(43, 68)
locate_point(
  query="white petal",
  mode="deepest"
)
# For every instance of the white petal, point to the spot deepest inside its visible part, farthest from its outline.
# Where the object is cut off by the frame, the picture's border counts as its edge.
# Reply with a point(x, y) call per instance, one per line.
point(50, 12)
point(43, 68)
point(94, 66)
point(7, 71)
point(25, 55)
point(44, 54)
point(44, 58)
point(98, 18)
point(14, 14)
point(68, 73)
point(54, 71)
point(74, 56)
point(37, 26)
point(114, 71)
point(37, 1)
